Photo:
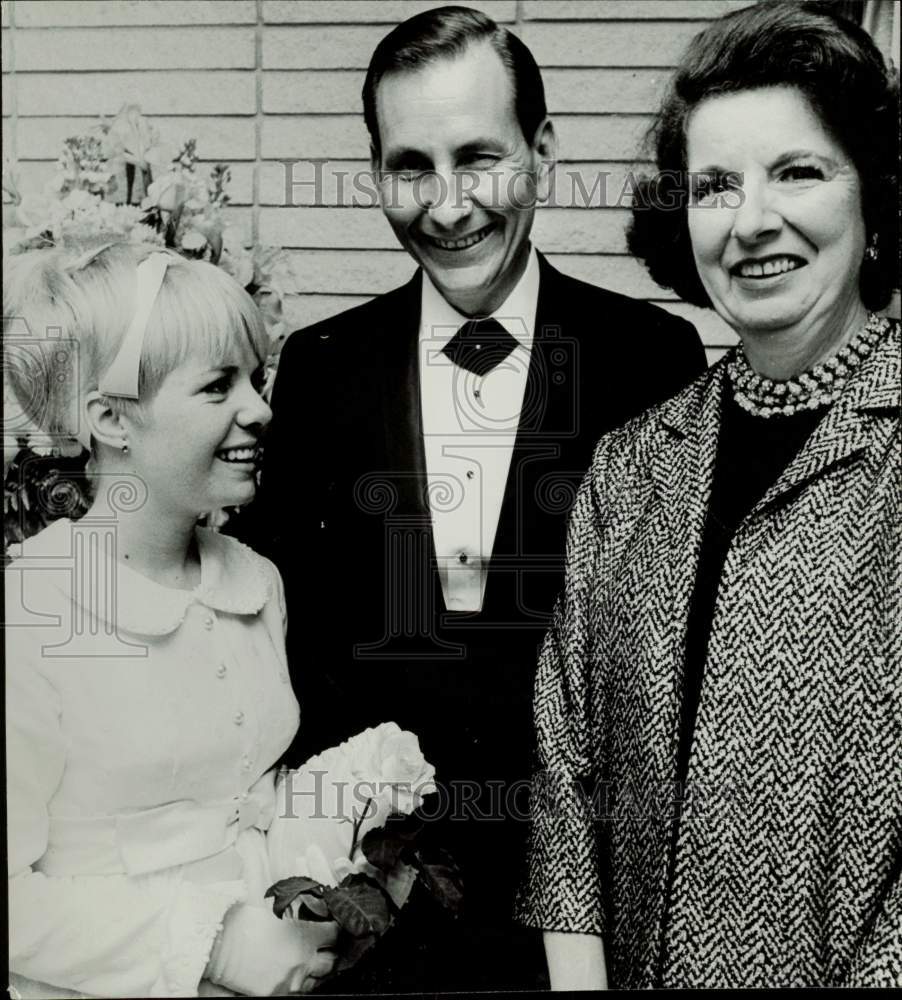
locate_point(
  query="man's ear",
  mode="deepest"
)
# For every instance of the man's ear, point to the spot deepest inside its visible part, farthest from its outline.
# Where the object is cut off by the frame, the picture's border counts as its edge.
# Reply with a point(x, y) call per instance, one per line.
point(544, 148)
point(105, 425)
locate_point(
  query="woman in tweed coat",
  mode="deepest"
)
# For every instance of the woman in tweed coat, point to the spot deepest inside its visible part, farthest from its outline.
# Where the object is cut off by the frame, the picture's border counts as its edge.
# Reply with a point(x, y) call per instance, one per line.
point(718, 704)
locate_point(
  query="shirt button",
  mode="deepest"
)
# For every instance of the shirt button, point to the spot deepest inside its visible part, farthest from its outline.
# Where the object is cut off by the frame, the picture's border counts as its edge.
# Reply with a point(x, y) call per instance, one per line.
point(209, 622)
point(463, 557)
point(238, 718)
point(221, 670)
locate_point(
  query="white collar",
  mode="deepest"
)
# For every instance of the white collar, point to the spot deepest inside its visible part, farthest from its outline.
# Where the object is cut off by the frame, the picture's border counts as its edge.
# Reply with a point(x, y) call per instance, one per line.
point(233, 580)
point(439, 320)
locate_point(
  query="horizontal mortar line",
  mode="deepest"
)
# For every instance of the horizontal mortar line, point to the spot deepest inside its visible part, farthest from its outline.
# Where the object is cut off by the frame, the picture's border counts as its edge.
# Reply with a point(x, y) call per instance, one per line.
point(568, 22)
point(55, 71)
point(244, 25)
point(386, 25)
point(548, 67)
point(626, 161)
point(357, 114)
point(399, 251)
point(145, 114)
point(104, 70)
point(348, 295)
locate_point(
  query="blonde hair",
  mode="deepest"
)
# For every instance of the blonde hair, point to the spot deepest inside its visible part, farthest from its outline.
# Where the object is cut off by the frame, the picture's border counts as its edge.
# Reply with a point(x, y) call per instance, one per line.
point(66, 312)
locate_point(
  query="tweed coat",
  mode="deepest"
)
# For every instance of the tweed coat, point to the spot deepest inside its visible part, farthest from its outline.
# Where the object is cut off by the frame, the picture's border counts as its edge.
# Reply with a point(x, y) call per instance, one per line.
point(786, 858)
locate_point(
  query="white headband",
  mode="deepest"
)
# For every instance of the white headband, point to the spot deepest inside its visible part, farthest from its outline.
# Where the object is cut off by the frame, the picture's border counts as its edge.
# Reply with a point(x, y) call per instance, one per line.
point(121, 378)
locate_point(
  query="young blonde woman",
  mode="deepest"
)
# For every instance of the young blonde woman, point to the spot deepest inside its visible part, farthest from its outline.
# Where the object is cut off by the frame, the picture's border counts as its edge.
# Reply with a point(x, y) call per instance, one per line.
point(147, 692)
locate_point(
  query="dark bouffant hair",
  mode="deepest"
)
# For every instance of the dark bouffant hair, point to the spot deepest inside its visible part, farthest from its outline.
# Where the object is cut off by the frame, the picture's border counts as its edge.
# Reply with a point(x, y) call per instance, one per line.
point(446, 32)
point(836, 65)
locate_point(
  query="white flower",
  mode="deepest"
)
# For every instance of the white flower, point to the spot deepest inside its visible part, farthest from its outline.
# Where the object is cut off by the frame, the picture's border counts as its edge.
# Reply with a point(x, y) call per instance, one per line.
point(348, 788)
point(313, 863)
point(132, 137)
point(167, 192)
point(144, 234)
point(80, 200)
point(359, 866)
point(193, 240)
point(239, 263)
point(390, 760)
point(33, 212)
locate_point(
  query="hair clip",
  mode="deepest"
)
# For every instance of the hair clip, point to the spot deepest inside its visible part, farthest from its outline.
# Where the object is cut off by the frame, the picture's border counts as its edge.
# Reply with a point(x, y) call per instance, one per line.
point(121, 378)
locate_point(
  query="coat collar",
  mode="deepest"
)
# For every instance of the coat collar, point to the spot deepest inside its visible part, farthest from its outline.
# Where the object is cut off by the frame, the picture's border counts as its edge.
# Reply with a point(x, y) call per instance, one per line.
point(847, 427)
point(233, 578)
point(694, 415)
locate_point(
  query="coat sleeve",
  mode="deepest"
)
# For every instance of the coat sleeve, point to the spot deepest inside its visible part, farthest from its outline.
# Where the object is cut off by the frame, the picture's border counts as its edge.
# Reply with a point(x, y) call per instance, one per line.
point(562, 891)
point(878, 960)
point(105, 935)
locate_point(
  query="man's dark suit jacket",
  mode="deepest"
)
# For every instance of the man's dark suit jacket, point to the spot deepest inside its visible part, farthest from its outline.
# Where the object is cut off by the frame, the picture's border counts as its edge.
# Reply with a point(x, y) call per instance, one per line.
point(343, 513)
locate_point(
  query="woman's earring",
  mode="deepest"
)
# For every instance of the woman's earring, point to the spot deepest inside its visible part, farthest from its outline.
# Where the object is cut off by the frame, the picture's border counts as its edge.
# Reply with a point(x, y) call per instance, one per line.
point(125, 449)
point(871, 253)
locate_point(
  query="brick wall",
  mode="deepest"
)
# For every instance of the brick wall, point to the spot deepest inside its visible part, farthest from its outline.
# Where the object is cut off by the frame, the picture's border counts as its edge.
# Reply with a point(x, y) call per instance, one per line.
point(270, 85)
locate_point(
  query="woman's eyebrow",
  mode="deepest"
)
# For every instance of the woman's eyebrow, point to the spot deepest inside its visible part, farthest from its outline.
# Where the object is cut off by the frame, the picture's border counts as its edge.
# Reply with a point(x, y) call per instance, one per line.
point(223, 369)
point(801, 154)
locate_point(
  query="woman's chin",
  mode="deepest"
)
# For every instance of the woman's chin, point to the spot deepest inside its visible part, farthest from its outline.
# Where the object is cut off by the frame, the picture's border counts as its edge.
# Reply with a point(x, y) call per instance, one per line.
point(766, 318)
point(234, 497)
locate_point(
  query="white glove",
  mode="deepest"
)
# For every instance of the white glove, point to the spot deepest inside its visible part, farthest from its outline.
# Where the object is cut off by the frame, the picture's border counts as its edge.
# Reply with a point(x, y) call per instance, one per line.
point(258, 954)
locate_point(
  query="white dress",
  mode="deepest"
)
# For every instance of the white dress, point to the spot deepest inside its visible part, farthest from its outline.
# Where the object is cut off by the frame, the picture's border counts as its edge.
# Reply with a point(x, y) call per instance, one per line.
point(142, 726)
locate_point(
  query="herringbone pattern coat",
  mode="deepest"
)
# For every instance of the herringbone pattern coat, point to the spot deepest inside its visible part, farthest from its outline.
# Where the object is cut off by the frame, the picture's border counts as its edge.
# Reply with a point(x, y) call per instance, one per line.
point(787, 859)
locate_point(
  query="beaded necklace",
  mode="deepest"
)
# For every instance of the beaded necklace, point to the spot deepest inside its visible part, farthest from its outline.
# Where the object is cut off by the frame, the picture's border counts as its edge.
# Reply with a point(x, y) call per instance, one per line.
point(821, 386)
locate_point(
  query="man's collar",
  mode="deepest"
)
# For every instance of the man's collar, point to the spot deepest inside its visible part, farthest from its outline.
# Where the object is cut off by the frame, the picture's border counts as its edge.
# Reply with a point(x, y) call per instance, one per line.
point(439, 320)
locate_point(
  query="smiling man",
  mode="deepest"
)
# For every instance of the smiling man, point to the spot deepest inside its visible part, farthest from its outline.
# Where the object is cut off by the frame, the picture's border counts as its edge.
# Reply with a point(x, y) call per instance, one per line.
point(424, 450)
point(460, 174)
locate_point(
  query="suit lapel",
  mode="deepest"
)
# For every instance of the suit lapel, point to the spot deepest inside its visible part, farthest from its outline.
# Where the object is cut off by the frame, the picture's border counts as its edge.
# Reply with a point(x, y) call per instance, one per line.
point(401, 416)
point(546, 420)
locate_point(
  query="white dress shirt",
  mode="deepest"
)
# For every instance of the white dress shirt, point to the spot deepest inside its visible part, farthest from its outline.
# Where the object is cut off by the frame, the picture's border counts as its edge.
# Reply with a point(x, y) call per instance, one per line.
point(469, 431)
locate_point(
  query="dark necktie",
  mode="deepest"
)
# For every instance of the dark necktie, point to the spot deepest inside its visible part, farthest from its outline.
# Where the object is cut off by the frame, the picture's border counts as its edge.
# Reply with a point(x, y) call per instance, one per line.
point(480, 345)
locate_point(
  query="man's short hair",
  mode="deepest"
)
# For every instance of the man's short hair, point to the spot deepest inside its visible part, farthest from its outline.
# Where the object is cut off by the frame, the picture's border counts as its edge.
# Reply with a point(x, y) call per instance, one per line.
point(444, 33)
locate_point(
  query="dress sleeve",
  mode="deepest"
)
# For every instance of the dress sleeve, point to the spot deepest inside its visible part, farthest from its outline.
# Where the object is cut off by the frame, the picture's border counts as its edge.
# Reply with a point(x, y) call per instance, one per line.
point(562, 891)
point(105, 935)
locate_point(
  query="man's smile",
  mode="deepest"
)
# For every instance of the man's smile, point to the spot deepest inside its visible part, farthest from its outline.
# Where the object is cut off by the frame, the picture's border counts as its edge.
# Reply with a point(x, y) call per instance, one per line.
point(461, 242)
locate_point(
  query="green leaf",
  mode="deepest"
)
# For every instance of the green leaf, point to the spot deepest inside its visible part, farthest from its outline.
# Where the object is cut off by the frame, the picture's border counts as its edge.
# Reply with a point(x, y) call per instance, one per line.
point(351, 949)
point(306, 911)
point(287, 890)
point(442, 879)
point(385, 847)
point(360, 906)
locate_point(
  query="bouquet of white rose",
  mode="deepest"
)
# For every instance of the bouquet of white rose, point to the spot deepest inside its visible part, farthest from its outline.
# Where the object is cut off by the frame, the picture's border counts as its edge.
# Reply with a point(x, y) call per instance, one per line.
point(344, 844)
